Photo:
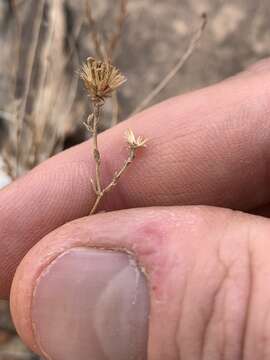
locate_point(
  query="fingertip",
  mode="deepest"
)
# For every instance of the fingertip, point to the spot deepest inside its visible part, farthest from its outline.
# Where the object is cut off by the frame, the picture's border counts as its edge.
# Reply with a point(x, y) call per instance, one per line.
point(113, 285)
point(74, 298)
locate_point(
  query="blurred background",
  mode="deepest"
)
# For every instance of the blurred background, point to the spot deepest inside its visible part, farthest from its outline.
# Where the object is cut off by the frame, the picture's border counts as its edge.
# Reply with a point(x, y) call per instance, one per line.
point(43, 43)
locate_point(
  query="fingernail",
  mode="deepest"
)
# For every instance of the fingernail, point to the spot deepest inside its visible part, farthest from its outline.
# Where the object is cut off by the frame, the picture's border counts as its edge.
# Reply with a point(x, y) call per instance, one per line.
point(91, 304)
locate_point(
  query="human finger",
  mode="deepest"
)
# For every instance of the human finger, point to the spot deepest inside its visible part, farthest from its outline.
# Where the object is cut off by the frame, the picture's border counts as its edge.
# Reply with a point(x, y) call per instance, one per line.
point(155, 283)
point(208, 147)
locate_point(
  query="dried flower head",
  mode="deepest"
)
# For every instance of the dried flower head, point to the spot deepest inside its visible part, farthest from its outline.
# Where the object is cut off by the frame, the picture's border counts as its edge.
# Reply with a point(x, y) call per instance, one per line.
point(133, 142)
point(100, 78)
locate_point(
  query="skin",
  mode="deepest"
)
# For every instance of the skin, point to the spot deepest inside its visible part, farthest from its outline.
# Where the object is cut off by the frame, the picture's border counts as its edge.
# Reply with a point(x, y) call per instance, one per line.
point(208, 266)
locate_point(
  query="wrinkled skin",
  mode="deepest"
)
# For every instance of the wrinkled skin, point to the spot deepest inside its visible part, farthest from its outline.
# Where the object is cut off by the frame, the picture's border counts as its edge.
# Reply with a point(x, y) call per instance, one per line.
point(208, 266)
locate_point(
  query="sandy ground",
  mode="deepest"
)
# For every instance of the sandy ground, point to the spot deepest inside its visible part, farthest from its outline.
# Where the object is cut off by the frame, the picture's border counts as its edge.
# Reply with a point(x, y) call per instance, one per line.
point(156, 34)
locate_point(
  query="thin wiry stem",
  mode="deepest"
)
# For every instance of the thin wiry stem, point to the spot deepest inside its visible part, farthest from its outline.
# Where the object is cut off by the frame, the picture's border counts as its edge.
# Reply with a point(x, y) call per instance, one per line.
point(30, 66)
point(96, 153)
point(39, 129)
point(116, 35)
point(18, 25)
point(120, 172)
point(105, 48)
point(94, 208)
point(180, 63)
point(12, 170)
point(94, 33)
point(101, 79)
point(91, 125)
point(133, 143)
point(114, 180)
point(57, 140)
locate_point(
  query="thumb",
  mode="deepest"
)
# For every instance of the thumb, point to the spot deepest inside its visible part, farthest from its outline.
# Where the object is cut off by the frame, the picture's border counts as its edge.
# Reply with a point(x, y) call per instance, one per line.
point(156, 283)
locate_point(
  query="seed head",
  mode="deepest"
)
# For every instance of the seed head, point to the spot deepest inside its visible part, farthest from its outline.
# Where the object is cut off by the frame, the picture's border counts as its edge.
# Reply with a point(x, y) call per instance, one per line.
point(133, 142)
point(100, 78)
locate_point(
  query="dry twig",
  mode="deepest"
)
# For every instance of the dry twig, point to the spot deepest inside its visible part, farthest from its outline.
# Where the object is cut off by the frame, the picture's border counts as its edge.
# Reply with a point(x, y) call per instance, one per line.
point(42, 108)
point(105, 50)
point(30, 66)
point(94, 33)
point(116, 35)
point(180, 63)
point(101, 79)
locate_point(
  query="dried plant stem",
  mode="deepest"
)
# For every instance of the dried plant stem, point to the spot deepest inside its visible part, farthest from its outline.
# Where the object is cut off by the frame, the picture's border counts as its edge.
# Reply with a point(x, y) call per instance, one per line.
point(40, 129)
point(96, 153)
point(101, 79)
point(30, 66)
point(120, 172)
point(115, 179)
point(104, 47)
point(192, 46)
point(94, 208)
point(18, 24)
point(94, 32)
point(116, 35)
point(92, 124)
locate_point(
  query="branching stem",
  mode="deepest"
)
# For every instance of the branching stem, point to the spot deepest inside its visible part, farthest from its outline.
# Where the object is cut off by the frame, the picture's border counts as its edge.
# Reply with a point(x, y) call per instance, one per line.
point(97, 183)
point(101, 79)
point(120, 172)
